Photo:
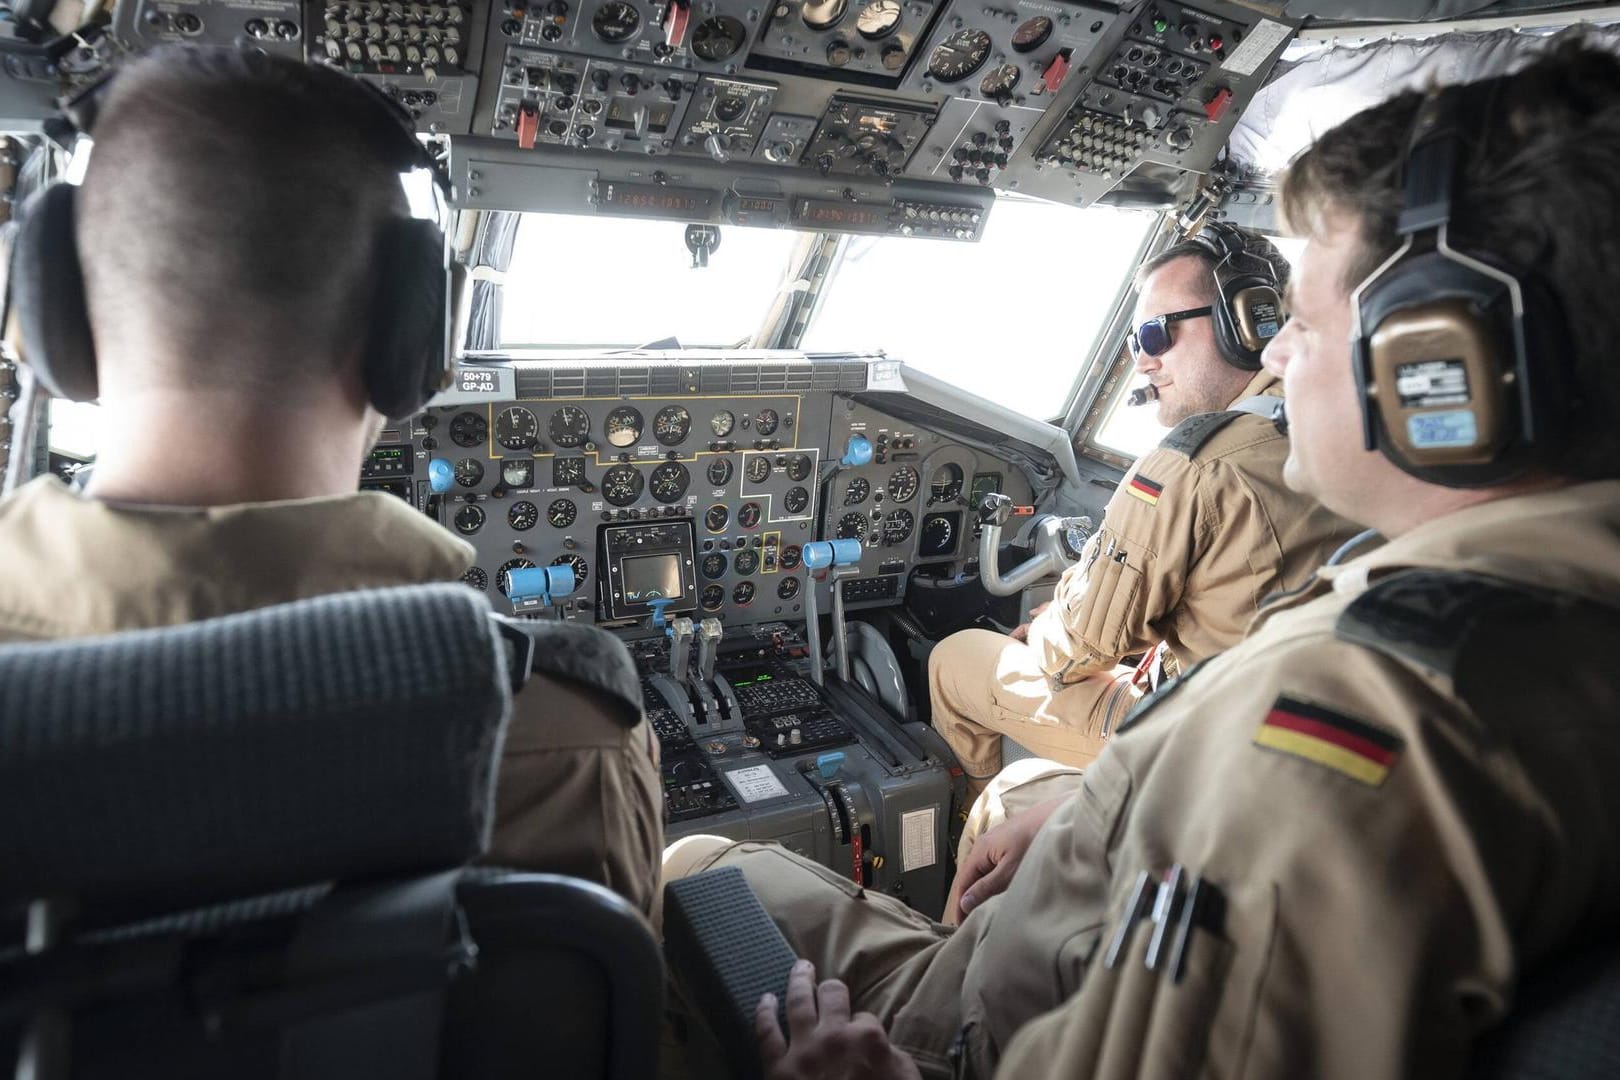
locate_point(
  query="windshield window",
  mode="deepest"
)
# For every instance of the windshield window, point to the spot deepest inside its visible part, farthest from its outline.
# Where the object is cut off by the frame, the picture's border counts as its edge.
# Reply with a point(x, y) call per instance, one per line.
point(1011, 318)
point(623, 282)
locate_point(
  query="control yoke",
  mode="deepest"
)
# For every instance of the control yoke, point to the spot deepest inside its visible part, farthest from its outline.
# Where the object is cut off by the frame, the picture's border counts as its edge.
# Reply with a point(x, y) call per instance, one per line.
point(1058, 542)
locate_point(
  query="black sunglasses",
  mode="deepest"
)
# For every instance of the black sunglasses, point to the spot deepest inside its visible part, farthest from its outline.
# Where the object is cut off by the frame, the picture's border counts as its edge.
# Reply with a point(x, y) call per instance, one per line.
point(1153, 336)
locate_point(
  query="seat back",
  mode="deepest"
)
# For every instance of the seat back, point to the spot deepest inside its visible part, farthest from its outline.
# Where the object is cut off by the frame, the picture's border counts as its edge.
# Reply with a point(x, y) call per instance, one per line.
point(1565, 1024)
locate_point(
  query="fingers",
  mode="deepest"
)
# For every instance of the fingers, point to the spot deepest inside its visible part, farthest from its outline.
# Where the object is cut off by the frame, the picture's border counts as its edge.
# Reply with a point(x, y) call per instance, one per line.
point(987, 886)
point(801, 1000)
point(979, 862)
point(833, 998)
point(768, 1033)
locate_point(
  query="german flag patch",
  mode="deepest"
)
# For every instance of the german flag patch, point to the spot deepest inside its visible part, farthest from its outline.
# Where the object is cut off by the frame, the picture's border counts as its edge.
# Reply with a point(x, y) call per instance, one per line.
point(1146, 490)
point(1360, 751)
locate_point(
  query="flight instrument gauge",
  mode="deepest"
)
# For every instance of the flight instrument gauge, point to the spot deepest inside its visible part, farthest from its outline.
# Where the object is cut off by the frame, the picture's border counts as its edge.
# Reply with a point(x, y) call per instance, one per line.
point(719, 472)
point(746, 562)
point(823, 14)
point(718, 37)
point(469, 519)
point(999, 82)
point(672, 425)
point(561, 513)
point(469, 471)
point(716, 518)
point(721, 423)
point(946, 483)
point(517, 473)
point(616, 21)
point(623, 426)
point(523, 515)
point(796, 500)
point(669, 482)
point(959, 55)
point(788, 588)
point(476, 577)
point(878, 19)
point(621, 485)
point(897, 527)
point(1032, 34)
point(852, 527)
point(714, 565)
point(748, 515)
point(758, 469)
point(577, 564)
point(468, 430)
point(791, 557)
point(938, 535)
point(503, 580)
point(765, 421)
point(903, 484)
point(798, 468)
point(743, 594)
point(516, 428)
point(570, 426)
point(567, 471)
point(857, 491)
point(713, 597)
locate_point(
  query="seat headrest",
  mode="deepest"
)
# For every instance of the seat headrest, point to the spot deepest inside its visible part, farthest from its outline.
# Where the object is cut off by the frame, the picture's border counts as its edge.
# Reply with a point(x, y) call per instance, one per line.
point(333, 738)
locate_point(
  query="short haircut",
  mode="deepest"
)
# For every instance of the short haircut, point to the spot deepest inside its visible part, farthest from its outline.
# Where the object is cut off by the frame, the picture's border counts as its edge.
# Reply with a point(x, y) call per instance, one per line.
point(1253, 243)
point(230, 213)
point(1538, 189)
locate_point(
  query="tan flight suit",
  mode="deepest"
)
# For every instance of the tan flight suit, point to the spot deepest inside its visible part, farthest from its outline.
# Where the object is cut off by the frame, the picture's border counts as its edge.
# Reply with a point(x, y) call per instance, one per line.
point(1201, 529)
point(1400, 782)
point(578, 791)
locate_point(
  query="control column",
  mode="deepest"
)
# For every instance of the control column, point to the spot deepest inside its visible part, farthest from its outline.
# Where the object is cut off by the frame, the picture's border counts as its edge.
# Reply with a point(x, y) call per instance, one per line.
point(840, 558)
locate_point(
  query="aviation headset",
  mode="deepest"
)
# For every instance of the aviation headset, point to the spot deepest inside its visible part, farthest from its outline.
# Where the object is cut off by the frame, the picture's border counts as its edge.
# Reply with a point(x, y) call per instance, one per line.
point(1248, 306)
point(407, 346)
point(1461, 361)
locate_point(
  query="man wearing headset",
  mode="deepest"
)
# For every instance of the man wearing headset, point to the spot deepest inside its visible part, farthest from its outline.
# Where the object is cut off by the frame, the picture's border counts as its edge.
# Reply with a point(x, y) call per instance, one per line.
point(1336, 849)
point(1197, 534)
point(240, 282)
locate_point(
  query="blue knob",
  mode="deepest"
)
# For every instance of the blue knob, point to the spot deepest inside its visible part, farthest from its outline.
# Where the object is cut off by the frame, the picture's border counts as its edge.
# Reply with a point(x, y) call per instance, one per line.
point(858, 452)
point(820, 554)
point(829, 764)
point(658, 607)
point(547, 584)
point(441, 474)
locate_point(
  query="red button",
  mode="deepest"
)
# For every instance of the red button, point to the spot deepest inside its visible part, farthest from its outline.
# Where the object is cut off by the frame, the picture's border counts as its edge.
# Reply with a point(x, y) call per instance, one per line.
point(1055, 72)
point(528, 126)
point(1216, 106)
point(675, 23)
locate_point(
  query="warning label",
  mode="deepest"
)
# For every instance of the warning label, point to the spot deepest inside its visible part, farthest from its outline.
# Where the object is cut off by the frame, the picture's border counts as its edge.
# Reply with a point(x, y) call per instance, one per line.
point(756, 784)
point(1431, 383)
point(917, 840)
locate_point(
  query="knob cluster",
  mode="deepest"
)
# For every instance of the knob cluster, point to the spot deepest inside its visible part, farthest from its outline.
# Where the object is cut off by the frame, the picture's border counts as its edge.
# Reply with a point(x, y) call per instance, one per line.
point(393, 37)
point(982, 155)
point(1096, 142)
point(921, 219)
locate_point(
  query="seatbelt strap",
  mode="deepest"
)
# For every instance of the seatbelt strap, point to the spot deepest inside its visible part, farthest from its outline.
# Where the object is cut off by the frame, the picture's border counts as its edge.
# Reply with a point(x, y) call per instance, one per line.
point(1266, 406)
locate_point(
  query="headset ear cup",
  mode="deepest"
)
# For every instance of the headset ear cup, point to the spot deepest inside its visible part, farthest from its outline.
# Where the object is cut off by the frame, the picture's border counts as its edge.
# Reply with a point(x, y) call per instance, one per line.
point(47, 293)
point(405, 353)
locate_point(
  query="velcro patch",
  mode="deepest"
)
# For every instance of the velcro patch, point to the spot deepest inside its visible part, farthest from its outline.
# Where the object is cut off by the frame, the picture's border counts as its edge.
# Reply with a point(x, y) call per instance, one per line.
point(1360, 751)
point(1146, 490)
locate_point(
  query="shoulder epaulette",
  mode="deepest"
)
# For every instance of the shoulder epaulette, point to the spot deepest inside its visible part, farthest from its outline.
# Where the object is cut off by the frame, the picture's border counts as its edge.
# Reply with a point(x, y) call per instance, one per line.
point(1189, 436)
point(587, 655)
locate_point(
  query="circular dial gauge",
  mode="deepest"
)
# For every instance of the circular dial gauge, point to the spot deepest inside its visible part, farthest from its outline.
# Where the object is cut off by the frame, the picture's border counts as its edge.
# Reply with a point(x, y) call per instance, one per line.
point(878, 19)
point(903, 484)
point(616, 21)
point(503, 581)
point(468, 430)
point(791, 557)
point(669, 482)
point(561, 513)
point(748, 515)
point(719, 471)
point(796, 500)
point(469, 519)
point(897, 527)
point(938, 535)
point(745, 562)
point(718, 37)
point(623, 426)
point(1074, 537)
point(787, 588)
point(577, 564)
point(672, 425)
point(798, 468)
point(516, 428)
point(716, 518)
point(743, 594)
point(721, 423)
point(476, 577)
point(713, 597)
point(569, 426)
point(518, 473)
point(1032, 34)
point(959, 55)
point(469, 471)
point(823, 14)
point(765, 421)
point(852, 527)
point(758, 469)
point(621, 485)
point(999, 82)
point(714, 565)
point(857, 491)
point(946, 483)
point(523, 515)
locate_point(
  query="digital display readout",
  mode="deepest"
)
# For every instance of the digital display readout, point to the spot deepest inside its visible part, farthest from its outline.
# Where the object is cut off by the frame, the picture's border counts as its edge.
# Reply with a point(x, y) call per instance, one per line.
point(756, 206)
point(654, 200)
point(387, 461)
point(652, 577)
point(847, 215)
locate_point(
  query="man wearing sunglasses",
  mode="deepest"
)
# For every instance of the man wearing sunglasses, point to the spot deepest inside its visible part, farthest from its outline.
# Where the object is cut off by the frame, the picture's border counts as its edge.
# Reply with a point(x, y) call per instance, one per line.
point(1200, 531)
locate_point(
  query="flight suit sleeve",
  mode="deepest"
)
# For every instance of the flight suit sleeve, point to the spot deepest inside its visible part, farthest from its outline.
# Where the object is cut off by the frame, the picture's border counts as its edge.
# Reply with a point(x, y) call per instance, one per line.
point(1131, 575)
point(1347, 924)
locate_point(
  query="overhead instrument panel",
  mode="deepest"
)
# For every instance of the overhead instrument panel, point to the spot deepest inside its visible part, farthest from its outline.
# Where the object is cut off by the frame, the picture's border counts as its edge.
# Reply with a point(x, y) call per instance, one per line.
point(276, 26)
point(866, 42)
point(423, 55)
point(868, 137)
point(673, 35)
point(557, 99)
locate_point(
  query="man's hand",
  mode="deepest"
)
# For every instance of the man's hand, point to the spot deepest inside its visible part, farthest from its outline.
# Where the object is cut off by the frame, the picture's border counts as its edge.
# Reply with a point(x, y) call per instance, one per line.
point(996, 854)
point(1021, 631)
point(828, 1044)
